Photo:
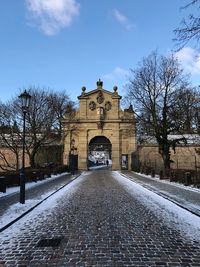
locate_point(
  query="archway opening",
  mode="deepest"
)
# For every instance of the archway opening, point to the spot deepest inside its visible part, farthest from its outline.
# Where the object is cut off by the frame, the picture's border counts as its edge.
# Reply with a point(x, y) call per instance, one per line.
point(99, 153)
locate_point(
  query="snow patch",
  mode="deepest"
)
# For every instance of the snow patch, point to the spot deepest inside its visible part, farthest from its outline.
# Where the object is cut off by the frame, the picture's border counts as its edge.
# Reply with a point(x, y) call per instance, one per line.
point(15, 189)
point(98, 167)
point(157, 178)
point(174, 216)
point(40, 212)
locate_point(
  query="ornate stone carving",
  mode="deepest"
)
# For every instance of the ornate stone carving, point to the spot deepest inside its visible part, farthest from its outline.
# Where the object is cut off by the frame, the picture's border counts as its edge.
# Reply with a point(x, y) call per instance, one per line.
point(100, 124)
point(92, 105)
point(100, 97)
point(101, 113)
point(108, 105)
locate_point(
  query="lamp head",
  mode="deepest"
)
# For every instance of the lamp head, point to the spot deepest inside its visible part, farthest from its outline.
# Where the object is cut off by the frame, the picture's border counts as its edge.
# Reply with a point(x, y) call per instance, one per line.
point(25, 99)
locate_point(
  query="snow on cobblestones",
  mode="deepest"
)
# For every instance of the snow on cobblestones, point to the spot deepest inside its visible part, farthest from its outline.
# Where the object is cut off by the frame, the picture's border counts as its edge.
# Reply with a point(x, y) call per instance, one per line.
point(14, 189)
point(174, 216)
point(40, 213)
point(176, 184)
point(99, 223)
point(18, 209)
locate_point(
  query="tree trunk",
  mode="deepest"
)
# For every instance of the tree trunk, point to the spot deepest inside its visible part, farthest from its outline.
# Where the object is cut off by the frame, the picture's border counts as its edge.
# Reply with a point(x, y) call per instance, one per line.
point(32, 158)
point(17, 161)
point(164, 150)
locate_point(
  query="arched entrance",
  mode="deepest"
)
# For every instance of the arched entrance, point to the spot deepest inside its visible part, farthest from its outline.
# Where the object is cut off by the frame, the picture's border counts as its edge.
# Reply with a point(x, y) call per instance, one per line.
point(99, 152)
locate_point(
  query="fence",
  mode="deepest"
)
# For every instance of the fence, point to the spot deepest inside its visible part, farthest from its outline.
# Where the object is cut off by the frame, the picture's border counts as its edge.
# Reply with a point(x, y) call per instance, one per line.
point(185, 167)
point(32, 175)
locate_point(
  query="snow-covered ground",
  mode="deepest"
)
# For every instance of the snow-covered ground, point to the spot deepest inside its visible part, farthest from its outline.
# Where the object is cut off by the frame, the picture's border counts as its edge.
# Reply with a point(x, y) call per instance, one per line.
point(99, 167)
point(44, 208)
point(187, 223)
point(18, 209)
point(14, 189)
point(157, 178)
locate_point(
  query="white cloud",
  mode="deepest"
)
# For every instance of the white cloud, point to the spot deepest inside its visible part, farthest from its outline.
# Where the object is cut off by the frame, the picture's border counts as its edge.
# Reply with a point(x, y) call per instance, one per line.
point(122, 19)
point(189, 59)
point(117, 73)
point(52, 15)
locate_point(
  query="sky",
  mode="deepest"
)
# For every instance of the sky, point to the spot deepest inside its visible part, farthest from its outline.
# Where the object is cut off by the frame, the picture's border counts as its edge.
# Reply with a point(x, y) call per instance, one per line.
point(67, 44)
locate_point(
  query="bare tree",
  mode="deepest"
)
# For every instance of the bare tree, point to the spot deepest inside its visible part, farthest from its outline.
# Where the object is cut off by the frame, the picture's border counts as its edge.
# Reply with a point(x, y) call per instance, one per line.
point(10, 139)
point(197, 112)
point(61, 105)
point(44, 119)
point(189, 27)
point(43, 122)
point(152, 88)
point(185, 111)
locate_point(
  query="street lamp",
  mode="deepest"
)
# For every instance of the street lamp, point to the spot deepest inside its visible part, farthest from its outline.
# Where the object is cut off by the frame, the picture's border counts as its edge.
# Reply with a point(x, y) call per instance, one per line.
point(25, 100)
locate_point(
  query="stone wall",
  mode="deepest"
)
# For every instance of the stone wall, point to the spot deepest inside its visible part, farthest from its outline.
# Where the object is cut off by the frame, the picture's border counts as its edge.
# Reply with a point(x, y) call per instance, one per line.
point(184, 157)
point(6, 155)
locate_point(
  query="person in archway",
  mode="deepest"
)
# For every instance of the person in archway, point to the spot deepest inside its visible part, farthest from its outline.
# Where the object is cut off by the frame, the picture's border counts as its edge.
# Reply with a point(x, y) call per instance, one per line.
point(107, 162)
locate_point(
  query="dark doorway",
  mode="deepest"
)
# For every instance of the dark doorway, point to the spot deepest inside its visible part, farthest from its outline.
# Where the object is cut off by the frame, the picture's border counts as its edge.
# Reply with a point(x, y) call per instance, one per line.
point(73, 163)
point(124, 162)
point(99, 153)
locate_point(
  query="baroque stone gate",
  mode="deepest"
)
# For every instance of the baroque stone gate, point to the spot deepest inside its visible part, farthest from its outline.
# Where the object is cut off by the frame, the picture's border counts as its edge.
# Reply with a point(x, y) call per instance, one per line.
point(100, 115)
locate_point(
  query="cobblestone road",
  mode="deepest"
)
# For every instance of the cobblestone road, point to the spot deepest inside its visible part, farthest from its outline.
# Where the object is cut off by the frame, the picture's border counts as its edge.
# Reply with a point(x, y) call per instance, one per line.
point(100, 225)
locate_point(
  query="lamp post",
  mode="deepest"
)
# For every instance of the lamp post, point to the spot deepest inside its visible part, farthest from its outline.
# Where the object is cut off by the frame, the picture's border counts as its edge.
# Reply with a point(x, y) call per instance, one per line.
point(25, 100)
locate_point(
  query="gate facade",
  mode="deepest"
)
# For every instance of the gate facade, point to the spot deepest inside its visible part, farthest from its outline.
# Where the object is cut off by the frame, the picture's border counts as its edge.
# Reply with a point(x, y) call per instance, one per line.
point(100, 115)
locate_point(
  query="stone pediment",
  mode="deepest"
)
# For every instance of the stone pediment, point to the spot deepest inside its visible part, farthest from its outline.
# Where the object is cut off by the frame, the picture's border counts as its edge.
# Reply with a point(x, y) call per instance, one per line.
point(98, 91)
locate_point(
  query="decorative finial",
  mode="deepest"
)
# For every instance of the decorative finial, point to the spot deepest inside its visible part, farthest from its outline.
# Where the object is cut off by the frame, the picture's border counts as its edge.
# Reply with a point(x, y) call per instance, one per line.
point(130, 108)
point(115, 88)
point(83, 89)
point(99, 84)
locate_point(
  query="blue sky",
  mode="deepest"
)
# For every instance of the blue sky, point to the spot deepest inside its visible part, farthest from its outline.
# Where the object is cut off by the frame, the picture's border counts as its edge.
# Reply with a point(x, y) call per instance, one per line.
point(67, 44)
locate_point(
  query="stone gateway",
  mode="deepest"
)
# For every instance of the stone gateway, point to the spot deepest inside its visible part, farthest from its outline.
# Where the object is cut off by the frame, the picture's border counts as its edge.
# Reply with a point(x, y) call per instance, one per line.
point(100, 124)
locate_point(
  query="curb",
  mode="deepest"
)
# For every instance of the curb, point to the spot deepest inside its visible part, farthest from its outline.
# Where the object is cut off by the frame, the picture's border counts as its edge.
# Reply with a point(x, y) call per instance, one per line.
point(32, 208)
point(162, 195)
